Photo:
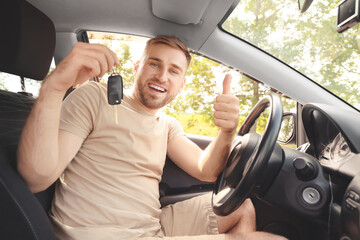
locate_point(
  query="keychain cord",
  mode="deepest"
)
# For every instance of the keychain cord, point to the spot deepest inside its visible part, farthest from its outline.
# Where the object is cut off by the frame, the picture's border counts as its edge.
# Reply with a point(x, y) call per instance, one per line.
point(116, 114)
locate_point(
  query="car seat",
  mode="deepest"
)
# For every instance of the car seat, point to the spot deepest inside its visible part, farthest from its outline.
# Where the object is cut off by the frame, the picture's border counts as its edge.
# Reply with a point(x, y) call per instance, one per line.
point(27, 46)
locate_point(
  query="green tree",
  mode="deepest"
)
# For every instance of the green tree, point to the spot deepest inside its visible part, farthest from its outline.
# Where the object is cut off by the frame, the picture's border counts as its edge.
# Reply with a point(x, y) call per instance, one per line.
point(123, 51)
point(277, 27)
point(198, 97)
point(255, 32)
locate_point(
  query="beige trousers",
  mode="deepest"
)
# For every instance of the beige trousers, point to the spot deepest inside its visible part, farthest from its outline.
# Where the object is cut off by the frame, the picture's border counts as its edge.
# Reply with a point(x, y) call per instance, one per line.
point(189, 219)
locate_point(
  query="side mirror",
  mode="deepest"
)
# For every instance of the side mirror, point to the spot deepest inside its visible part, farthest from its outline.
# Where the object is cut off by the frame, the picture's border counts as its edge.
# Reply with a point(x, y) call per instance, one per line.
point(287, 134)
point(304, 5)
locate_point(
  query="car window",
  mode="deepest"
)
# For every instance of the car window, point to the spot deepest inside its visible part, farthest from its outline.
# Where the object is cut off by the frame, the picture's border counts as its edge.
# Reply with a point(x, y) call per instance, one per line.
point(12, 83)
point(308, 42)
point(204, 76)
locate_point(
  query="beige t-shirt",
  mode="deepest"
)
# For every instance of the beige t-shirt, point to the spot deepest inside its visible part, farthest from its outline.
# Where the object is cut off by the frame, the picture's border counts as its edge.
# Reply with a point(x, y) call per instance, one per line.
point(110, 189)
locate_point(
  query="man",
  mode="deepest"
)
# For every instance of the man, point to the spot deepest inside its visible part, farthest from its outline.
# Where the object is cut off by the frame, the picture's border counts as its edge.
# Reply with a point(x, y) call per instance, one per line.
point(109, 170)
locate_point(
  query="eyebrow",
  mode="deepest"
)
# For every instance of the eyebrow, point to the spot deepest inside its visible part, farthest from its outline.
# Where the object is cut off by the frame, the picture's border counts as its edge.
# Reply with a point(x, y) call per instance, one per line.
point(172, 64)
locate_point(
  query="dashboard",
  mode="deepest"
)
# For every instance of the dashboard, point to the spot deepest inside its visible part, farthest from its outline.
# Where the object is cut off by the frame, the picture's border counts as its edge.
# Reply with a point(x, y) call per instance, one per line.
point(334, 151)
point(334, 138)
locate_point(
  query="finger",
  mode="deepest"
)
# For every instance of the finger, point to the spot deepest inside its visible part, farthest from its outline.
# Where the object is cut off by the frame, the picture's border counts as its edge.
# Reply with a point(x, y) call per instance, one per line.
point(116, 60)
point(232, 119)
point(227, 84)
point(225, 107)
point(221, 115)
point(219, 106)
point(226, 98)
point(100, 58)
point(70, 73)
point(225, 124)
point(108, 54)
point(219, 122)
point(89, 68)
point(92, 52)
point(93, 67)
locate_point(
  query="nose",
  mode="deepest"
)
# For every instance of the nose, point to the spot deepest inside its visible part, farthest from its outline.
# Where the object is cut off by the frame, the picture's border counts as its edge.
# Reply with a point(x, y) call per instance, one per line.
point(162, 75)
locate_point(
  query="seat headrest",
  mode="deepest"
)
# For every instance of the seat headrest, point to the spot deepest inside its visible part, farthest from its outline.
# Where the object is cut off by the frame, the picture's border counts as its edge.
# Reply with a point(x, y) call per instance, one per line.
point(27, 42)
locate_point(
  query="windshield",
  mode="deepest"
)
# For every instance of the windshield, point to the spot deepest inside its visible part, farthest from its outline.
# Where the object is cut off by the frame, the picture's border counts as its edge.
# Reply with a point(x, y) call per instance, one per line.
point(306, 41)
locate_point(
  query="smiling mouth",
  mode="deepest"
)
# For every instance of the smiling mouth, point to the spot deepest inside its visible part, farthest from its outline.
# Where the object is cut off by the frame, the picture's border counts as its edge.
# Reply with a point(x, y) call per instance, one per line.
point(157, 88)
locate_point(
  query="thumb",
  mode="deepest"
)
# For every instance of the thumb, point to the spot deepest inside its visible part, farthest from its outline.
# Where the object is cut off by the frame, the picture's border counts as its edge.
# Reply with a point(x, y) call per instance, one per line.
point(227, 84)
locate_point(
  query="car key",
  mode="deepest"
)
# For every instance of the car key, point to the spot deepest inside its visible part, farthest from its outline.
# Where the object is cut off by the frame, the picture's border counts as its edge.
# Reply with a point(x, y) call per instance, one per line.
point(115, 89)
point(115, 92)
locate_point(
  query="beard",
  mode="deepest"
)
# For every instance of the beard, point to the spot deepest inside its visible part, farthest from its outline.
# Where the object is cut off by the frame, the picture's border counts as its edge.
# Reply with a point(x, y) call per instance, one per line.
point(152, 101)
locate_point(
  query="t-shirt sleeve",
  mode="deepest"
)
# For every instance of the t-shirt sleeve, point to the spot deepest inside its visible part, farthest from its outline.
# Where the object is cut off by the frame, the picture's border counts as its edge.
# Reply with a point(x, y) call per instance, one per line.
point(79, 110)
point(175, 129)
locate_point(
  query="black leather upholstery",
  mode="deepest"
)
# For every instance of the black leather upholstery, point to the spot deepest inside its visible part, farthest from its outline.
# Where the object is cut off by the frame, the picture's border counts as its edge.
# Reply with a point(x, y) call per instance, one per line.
point(14, 109)
point(22, 216)
point(27, 46)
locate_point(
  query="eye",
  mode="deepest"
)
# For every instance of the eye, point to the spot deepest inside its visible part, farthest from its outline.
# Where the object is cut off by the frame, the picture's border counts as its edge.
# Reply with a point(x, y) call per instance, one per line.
point(174, 71)
point(155, 65)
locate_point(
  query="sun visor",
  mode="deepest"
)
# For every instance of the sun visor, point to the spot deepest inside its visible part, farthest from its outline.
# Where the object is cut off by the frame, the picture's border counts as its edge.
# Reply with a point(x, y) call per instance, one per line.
point(180, 11)
point(27, 42)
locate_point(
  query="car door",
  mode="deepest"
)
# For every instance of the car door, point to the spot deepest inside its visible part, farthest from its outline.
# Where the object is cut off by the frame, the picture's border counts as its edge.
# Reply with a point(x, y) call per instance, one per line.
point(176, 185)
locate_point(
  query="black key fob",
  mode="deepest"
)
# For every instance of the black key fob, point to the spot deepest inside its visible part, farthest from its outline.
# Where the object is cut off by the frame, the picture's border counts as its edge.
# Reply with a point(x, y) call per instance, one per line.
point(115, 89)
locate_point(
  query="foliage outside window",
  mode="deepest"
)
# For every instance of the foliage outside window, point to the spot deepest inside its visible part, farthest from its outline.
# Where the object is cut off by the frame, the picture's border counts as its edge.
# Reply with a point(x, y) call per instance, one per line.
point(307, 42)
point(194, 106)
point(10, 82)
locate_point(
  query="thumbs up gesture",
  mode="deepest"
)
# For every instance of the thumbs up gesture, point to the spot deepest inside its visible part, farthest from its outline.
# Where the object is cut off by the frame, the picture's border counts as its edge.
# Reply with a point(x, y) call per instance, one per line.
point(226, 115)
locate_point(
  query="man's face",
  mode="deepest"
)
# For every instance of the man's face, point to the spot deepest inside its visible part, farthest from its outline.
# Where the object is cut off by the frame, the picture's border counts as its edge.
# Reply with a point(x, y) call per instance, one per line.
point(160, 76)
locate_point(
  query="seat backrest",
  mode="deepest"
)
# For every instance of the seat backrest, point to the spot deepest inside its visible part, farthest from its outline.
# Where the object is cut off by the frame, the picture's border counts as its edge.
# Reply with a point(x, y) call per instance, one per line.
point(27, 46)
point(27, 42)
point(22, 216)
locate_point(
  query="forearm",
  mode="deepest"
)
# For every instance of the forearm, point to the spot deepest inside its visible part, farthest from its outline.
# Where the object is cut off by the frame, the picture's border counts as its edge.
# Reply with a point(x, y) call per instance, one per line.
point(226, 117)
point(38, 153)
point(40, 159)
point(215, 156)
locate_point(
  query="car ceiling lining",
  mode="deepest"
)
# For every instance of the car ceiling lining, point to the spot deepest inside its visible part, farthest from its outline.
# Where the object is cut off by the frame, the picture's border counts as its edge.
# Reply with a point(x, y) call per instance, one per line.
point(181, 12)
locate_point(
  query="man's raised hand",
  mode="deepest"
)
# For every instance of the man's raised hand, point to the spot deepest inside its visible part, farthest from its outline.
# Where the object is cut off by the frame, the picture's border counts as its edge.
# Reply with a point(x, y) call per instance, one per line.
point(84, 62)
point(226, 115)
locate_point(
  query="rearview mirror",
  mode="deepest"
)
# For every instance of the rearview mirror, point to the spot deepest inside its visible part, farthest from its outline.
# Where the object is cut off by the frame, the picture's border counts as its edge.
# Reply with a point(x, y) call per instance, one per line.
point(288, 129)
point(304, 5)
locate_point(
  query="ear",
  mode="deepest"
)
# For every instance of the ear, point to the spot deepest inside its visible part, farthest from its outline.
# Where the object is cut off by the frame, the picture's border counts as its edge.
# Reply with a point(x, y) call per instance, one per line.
point(136, 66)
point(182, 85)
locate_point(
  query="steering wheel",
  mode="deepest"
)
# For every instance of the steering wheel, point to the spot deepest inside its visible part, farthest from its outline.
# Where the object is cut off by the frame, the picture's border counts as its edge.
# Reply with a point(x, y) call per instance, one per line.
point(248, 158)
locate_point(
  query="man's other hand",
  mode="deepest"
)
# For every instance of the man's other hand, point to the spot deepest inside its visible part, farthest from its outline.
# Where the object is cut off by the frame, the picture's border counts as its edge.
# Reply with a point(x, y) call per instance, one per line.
point(226, 115)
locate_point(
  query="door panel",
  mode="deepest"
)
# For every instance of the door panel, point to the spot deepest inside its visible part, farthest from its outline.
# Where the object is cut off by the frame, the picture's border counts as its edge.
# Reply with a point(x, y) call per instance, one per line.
point(176, 185)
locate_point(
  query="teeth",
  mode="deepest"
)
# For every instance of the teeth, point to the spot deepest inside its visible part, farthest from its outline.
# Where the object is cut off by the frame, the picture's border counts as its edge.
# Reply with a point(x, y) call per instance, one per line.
point(157, 87)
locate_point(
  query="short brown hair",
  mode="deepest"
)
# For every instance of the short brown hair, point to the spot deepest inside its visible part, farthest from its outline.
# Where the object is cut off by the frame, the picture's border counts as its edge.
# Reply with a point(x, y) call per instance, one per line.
point(171, 41)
